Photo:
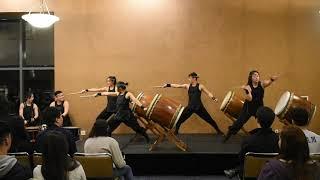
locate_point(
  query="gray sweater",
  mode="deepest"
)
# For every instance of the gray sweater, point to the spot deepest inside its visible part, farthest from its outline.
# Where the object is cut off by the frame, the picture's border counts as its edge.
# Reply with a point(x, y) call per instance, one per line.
point(105, 145)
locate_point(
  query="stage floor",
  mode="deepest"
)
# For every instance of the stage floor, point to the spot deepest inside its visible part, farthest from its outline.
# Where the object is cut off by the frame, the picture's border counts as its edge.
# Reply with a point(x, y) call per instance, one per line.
point(206, 155)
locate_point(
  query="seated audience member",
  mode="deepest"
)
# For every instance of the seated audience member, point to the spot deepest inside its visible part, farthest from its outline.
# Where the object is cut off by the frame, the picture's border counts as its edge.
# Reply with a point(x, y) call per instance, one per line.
point(54, 121)
point(99, 142)
point(21, 141)
point(260, 140)
point(56, 164)
point(10, 169)
point(29, 111)
point(300, 118)
point(294, 161)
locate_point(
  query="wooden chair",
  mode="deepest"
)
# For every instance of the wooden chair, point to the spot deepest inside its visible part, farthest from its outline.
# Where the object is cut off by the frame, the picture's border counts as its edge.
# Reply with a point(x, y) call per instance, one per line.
point(96, 165)
point(254, 163)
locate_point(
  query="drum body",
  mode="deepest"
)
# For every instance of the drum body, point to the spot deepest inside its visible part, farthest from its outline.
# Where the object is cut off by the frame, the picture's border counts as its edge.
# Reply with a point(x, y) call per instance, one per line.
point(164, 111)
point(288, 101)
point(232, 104)
point(33, 131)
point(75, 131)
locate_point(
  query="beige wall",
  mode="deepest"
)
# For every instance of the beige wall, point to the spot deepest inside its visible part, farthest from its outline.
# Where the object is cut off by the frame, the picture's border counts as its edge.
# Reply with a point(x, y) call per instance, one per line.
point(149, 42)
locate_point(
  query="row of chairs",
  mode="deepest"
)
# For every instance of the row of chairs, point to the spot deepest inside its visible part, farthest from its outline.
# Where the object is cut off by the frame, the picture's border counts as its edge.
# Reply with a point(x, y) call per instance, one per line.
point(96, 166)
point(254, 163)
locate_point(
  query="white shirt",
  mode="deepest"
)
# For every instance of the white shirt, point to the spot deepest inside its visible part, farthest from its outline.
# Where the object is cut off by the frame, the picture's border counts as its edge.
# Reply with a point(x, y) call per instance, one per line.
point(76, 174)
point(313, 141)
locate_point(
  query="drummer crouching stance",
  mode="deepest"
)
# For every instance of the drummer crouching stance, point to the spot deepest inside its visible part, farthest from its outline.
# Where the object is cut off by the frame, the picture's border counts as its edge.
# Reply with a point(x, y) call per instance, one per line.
point(123, 112)
point(195, 104)
point(254, 93)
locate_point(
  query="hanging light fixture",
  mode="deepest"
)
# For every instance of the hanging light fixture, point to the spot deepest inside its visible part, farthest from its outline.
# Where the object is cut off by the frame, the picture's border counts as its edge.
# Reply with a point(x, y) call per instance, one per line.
point(43, 19)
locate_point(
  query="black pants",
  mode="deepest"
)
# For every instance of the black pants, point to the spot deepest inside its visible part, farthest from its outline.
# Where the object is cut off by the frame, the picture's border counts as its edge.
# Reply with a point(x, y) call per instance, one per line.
point(242, 119)
point(130, 120)
point(202, 112)
point(105, 114)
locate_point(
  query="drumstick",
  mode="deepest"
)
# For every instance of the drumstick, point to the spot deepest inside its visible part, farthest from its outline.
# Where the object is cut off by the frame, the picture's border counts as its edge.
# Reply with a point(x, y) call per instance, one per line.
point(157, 86)
point(87, 96)
point(79, 92)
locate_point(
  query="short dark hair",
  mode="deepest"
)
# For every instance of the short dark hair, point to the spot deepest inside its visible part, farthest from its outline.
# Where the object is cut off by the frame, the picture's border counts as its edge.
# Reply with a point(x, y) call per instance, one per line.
point(193, 75)
point(57, 92)
point(28, 95)
point(122, 85)
point(299, 116)
point(50, 115)
point(265, 116)
point(100, 128)
point(5, 131)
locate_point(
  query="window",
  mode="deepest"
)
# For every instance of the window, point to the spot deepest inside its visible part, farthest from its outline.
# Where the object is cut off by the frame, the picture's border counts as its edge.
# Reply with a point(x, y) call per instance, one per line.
point(26, 61)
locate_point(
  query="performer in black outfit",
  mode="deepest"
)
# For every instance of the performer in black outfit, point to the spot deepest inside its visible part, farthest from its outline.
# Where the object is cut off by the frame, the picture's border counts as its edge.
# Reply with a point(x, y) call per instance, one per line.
point(123, 112)
point(111, 100)
point(254, 93)
point(195, 104)
point(63, 106)
point(29, 111)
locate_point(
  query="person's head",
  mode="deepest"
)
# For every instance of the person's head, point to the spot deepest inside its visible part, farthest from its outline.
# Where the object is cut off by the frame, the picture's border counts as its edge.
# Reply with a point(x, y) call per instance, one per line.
point(121, 86)
point(299, 117)
point(111, 81)
point(100, 128)
point(254, 77)
point(59, 96)
point(52, 116)
point(5, 138)
point(265, 116)
point(54, 156)
point(29, 97)
point(4, 105)
point(293, 144)
point(193, 77)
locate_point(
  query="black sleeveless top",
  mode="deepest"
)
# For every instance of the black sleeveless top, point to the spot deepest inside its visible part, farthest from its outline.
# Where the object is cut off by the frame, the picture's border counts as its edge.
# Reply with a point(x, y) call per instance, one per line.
point(60, 107)
point(28, 111)
point(122, 102)
point(194, 97)
point(111, 101)
point(257, 99)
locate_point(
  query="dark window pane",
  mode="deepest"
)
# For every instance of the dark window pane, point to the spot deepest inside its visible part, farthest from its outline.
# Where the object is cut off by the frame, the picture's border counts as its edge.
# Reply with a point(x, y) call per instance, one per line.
point(9, 86)
point(9, 43)
point(39, 46)
point(41, 83)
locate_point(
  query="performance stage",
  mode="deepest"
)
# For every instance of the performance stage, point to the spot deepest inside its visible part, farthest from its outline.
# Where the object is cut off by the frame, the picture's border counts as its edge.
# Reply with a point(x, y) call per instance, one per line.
point(206, 155)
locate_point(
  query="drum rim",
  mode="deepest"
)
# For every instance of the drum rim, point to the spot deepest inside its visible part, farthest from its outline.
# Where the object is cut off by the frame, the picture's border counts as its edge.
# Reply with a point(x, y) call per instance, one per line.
point(152, 105)
point(139, 98)
point(284, 109)
point(228, 102)
point(178, 117)
point(175, 116)
point(314, 112)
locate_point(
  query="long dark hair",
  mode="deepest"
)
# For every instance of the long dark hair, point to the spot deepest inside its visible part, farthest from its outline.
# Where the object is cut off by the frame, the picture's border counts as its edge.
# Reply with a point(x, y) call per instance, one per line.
point(99, 128)
point(250, 76)
point(55, 160)
point(28, 96)
point(294, 147)
point(113, 79)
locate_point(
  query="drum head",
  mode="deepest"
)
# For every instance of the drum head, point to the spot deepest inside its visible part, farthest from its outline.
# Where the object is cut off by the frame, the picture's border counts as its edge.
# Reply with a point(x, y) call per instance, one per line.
point(226, 100)
point(282, 103)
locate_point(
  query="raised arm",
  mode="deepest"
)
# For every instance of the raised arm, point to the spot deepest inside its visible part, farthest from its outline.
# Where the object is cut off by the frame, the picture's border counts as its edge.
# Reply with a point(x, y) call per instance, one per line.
point(106, 94)
point(94, 90)
point(135, 100)
point(204, 89)
point(176, 86)
point(66, 108)
point(268, 82)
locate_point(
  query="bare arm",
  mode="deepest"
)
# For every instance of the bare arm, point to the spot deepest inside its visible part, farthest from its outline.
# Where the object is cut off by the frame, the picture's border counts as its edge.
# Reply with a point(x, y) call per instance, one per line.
point(176, 85)
point(94, 90)
point(248, 95)
point(66, 108)
point(106, 94)
point(36, 111)
point(134, 100)
point(21, 110)
point(268, 82)
point(52, 104)
point(204, 89)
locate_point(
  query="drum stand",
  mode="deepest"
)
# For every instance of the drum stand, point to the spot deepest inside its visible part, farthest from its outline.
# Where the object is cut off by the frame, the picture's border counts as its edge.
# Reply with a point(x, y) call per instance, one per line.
point(233, 120)
point(161, 133)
